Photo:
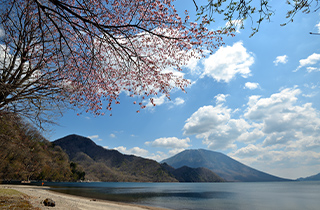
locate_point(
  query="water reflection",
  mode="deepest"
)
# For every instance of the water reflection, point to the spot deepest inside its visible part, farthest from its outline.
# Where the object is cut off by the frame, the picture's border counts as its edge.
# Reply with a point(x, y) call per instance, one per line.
point(204, 196)
point(141, 194)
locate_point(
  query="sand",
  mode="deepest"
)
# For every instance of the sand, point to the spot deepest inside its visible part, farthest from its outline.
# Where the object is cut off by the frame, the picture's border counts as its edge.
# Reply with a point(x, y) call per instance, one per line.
point(37, 194)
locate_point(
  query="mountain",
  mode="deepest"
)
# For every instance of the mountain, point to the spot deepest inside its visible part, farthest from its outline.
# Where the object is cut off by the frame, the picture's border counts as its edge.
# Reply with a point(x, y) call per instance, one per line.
point(102, 164)
point(187, 174)
point(310, 178)
point(224, 166)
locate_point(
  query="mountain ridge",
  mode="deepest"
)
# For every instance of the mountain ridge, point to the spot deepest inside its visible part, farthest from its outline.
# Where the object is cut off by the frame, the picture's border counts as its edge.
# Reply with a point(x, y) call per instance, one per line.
point(223, 165)
point(315, 177)
point(102, 164)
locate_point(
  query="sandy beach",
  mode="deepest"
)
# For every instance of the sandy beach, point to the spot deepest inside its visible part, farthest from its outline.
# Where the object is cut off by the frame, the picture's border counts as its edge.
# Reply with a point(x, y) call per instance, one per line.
point(37, 194)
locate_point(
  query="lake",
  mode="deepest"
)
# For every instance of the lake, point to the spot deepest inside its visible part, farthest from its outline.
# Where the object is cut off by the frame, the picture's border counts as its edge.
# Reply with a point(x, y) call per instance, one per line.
point(203, 196)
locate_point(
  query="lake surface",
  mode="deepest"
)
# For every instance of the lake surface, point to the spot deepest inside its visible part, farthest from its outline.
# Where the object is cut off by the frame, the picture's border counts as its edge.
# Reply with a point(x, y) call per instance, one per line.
point(203, 196)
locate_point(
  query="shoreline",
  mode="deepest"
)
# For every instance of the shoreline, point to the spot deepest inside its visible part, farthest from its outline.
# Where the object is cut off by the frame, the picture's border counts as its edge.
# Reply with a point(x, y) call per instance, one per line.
point(36, 195)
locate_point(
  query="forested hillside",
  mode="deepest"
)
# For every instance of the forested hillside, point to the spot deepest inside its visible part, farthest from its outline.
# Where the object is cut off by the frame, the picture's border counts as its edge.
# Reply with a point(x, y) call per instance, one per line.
point(110, 165)
point(26, 155)
point(187, 174)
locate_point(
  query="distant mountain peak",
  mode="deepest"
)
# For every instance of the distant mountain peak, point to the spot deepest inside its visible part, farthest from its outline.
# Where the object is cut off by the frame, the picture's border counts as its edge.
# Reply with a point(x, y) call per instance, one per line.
point(223, 165)
point(76, 136)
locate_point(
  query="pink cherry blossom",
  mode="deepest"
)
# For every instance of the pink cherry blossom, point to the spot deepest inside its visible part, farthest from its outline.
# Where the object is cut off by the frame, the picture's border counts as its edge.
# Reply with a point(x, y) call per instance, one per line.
point(92, 50)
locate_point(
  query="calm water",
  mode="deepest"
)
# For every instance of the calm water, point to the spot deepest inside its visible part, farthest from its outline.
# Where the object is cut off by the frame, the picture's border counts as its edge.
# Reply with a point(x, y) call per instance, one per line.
point(203, 196)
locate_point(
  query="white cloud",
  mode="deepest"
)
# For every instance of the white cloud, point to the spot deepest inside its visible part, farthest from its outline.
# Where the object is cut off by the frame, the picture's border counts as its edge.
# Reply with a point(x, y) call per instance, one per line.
point(283, 133)
point(215, 127)
point(193, 62)
point(310, 62)
point(170, 142)
point(248, 151)
point(318, 27)
point(251, 85)
point(282, 119)
point(137, 151)
point(133, 151)
point(281, 59)
point(279, 162)
point(312, 59)
point(227, 62)
point(311, 95)
point(112, 135)
point(253, 99)
point(312, 69)
point(224, 136)
point(311, 86)
point(252, 135)
point(175, 151)
point(178, 101)
point(158, 101)
point(220, 98)
point(259, 108)
point(205, 119)
point(272, 126)
point(157, 156)
point(94, 137)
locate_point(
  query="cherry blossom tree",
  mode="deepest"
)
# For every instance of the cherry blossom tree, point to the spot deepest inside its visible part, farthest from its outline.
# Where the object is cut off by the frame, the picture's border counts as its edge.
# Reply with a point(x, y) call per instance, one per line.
point(86, 52)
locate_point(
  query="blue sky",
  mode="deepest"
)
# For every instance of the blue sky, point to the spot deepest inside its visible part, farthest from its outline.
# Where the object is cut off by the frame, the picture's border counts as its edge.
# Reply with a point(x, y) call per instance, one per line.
point(255, 99)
